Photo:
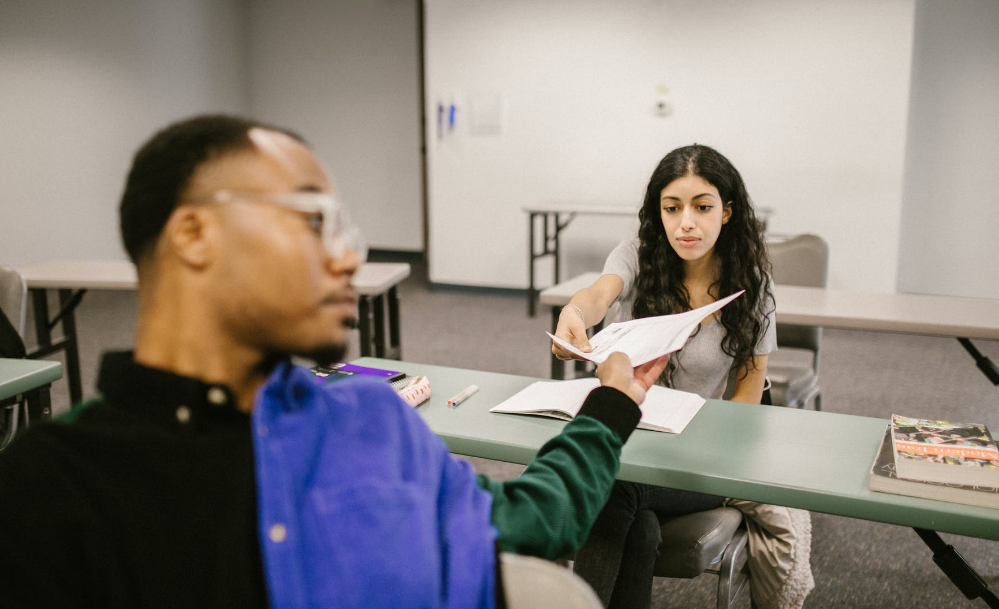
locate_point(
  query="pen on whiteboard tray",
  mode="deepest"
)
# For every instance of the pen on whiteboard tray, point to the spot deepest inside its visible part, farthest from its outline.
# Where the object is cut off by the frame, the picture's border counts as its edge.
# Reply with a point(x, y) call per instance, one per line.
point(463, 395)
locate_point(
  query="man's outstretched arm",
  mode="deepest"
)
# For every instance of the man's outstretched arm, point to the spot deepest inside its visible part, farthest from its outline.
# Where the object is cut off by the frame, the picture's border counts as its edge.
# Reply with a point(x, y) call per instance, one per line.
point(548, 510)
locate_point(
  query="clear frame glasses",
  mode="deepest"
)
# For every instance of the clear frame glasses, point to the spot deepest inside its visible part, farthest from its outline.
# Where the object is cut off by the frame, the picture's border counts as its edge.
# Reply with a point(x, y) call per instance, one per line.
point(327, 216)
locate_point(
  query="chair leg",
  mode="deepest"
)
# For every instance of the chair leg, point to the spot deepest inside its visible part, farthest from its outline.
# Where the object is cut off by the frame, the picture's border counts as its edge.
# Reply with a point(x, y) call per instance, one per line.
point(731, 582)
point(818, 402)
point(9, 413)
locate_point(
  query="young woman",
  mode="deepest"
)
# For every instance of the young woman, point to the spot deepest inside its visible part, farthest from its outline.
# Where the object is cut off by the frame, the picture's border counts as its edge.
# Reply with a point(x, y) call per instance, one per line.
point(698, 241)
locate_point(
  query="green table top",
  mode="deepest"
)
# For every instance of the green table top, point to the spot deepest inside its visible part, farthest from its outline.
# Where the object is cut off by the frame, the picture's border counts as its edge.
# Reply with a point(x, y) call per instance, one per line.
point(818, 461)
point(20, 375)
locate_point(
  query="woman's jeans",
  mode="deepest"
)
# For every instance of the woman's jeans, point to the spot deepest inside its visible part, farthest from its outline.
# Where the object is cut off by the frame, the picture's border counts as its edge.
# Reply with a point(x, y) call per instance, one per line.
point(618, 557)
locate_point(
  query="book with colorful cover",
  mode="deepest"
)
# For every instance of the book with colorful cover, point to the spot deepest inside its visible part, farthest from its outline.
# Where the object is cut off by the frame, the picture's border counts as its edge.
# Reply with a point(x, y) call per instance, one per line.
point(884, 479)
point(941, 451)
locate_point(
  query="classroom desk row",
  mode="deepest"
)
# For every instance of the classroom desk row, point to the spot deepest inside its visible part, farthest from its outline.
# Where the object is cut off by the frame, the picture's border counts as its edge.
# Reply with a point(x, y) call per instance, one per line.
point(547, 219)
point(817, 461)
point(960, 318)
point(376, 284)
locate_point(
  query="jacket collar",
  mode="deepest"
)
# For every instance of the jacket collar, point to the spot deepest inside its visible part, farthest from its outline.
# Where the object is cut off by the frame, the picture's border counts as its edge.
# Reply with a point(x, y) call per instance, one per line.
point(165, 397)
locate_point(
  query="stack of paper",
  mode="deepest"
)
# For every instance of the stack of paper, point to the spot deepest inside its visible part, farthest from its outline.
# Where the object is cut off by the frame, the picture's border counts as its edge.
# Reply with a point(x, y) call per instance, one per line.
point(645, 339)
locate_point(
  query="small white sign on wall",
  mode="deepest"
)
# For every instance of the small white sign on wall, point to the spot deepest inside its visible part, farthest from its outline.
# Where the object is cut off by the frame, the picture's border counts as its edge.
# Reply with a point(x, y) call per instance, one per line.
point(486, 113)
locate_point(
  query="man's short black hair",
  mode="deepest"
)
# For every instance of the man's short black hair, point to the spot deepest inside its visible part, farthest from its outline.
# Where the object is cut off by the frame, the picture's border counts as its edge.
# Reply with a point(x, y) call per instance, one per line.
point(162, 169)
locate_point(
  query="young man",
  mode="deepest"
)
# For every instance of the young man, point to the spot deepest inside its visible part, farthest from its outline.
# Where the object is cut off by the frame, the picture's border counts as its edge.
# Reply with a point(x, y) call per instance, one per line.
point(211, 472)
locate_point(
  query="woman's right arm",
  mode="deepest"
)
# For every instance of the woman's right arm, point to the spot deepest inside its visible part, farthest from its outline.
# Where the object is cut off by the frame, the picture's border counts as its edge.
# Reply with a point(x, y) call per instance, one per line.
point(593, 303)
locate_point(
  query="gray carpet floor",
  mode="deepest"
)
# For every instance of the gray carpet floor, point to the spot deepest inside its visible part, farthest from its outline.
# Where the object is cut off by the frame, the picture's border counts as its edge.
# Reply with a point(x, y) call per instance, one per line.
point(856, 564)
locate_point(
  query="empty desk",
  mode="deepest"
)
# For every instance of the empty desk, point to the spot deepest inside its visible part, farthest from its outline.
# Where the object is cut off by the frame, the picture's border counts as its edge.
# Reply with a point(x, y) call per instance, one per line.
point(72, 279)
point(554, 217)
point(377, 288)
point(375, 283)
point(961, 318)
point(23, 376)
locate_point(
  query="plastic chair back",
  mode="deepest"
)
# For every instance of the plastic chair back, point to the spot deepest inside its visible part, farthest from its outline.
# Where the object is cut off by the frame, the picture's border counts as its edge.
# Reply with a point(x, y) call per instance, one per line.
point(802, 261)
point(534, 583)
point(13, 297)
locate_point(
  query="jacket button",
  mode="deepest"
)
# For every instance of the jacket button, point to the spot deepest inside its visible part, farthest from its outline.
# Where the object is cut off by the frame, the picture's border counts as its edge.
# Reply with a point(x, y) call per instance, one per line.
point(277, 533)
point(216, 396)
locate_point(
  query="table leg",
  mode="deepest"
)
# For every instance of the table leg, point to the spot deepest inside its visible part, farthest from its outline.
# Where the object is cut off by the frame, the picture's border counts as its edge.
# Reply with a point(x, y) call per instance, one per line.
point(558, 229)
point(66, 301)
point(395, 330)
point(39, 405)
point(378, 304)
point(986, 365)
point(364, 322)
point(551, 226)
point(950, 561)
point(531, 293)
point(40, 304)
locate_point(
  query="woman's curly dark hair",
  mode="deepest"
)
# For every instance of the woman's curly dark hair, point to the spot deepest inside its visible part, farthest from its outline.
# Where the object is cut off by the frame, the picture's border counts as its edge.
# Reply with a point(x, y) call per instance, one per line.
point(740, 251)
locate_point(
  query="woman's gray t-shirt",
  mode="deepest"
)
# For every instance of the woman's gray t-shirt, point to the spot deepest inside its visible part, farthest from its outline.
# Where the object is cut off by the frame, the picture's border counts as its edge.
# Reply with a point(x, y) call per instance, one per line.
point(701, 366)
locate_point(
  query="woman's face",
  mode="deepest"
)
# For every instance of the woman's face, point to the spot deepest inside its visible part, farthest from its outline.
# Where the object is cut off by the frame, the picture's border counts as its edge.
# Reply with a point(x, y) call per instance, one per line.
point(693, 214)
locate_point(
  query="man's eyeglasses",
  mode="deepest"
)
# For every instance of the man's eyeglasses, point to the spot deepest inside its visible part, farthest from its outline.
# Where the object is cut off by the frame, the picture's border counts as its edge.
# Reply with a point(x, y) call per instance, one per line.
point(325, 214)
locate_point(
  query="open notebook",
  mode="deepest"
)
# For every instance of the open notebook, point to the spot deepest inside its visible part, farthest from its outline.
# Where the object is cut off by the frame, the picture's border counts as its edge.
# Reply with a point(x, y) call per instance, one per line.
point(666, 410)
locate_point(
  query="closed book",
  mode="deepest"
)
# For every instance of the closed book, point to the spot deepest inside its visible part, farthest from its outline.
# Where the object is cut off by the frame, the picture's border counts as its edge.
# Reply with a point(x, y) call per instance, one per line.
point(884, 479)
point(940, 451)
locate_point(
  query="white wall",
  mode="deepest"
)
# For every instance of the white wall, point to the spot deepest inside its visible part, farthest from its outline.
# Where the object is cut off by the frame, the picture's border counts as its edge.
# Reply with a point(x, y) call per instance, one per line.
point(82, 84)
point(345, 75)
point(809, 100)
point(951, 214)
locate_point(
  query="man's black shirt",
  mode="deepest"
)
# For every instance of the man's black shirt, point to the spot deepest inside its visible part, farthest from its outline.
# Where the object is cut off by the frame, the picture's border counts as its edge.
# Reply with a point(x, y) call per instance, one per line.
point(151, 485)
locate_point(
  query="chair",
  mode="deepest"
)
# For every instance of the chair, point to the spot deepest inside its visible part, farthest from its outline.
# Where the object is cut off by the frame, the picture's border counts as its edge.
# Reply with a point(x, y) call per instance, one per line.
point(533, 583)
point(13, 296)
point(802, 261)
point(713, 542)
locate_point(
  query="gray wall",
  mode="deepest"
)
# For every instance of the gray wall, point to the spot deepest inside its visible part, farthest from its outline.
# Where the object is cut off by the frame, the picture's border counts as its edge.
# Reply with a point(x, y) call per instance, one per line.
point(346, 75)
point(950, 219)
point(81, 85)
point(807, 99)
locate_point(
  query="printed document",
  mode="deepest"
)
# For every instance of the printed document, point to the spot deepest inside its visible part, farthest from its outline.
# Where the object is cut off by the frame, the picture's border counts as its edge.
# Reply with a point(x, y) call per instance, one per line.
point(643, 340)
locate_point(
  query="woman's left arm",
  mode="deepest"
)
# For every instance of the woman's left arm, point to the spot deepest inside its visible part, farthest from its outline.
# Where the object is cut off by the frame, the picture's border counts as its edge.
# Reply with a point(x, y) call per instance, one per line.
point(750, 380)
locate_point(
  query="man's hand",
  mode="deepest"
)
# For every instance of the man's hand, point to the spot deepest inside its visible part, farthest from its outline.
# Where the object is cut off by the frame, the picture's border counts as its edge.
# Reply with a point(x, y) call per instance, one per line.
point(617, 372)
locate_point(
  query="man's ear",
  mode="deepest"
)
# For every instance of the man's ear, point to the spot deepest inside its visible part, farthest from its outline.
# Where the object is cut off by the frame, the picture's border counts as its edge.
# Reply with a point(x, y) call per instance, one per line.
point(726, 212)
point(188, 235)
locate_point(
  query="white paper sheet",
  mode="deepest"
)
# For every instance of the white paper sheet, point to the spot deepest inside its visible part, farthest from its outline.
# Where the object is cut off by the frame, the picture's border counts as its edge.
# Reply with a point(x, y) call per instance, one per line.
point(643, 340)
